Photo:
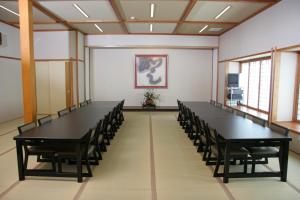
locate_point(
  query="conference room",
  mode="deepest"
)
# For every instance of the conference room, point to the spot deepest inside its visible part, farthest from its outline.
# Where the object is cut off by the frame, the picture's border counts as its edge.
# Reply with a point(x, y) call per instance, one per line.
point(149, 99)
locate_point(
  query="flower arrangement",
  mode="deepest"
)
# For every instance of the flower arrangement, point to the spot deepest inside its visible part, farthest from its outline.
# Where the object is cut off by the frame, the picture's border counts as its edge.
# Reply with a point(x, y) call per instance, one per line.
point(149, 98)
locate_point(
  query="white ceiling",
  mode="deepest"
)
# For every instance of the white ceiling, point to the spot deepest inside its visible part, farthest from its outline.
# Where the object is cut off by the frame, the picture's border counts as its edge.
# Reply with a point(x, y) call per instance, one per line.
point(185, 17)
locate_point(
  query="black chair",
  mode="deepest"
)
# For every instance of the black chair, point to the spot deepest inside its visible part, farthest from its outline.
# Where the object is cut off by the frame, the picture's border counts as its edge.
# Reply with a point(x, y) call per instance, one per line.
point(63, 112)
point(218, 150)
point(44, 120)
point(36, 148)
point(88, 153)
point(83, 104)
point(202, 144)
point(240, 113)
point(264, 149)
point(99, 140)
point(73, 108)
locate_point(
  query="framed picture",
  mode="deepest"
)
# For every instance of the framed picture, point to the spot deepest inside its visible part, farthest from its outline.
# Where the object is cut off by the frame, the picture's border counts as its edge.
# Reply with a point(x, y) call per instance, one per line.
point(151, 71)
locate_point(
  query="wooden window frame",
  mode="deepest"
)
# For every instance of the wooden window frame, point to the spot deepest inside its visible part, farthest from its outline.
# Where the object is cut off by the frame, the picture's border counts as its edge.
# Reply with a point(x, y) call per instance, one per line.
point(296, 89)
point(260, 61)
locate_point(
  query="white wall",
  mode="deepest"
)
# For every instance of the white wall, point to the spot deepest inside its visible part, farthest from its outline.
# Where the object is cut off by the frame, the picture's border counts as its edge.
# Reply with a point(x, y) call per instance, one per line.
point(52, 45)
point(189, 75)
point(11, 101)
point(287, 78)
point(277, 26)
point(215, 71)
point(87, 72)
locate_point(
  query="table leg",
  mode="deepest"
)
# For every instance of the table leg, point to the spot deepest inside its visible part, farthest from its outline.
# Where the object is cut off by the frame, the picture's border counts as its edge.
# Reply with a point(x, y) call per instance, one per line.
point(20, 160)
point(284, 160)
point(79, 163)
point(226, 163)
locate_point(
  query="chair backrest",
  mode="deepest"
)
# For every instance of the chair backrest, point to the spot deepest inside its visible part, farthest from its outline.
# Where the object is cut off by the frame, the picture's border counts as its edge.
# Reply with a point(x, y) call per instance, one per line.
point(63, 112)
point(279, 129)
point(87, 141)
point(72, 108)
point(44, 120)
point(240, 113)
point(26, 127)
point(82, 104)
point(210, 138)
point(259, 121)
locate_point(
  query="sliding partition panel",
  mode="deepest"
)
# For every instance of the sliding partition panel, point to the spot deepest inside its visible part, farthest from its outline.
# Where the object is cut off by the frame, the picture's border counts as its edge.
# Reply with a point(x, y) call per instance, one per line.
point(51, 86)
point(265, 85)
point(43, 87)
point(253, 92)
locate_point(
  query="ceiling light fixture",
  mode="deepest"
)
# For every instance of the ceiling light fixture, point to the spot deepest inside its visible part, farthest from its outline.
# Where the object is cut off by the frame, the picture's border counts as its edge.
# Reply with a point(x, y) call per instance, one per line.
point(132, 18)
point(203, 29)
point(152, 7)
point(9, 10)
point(223, 11)
point(151, 27)
point(98, 28)
point(80, 10)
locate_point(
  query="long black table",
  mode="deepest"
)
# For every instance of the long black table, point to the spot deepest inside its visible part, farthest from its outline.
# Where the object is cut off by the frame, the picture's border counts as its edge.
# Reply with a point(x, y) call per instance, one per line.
point(68, 129)
point(239, 131)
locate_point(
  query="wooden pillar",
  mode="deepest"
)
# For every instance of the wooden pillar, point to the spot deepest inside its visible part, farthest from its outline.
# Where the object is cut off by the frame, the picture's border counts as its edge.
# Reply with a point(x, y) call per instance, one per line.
point(27, 60)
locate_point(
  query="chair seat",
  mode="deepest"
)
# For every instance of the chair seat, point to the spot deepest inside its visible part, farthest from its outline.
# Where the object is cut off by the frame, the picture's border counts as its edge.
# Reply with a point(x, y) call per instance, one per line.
point(71, 151)
point(263, 151)
point(234, 152)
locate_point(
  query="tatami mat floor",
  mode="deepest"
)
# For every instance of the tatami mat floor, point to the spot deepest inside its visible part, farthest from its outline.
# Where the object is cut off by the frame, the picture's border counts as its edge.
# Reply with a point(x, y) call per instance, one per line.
point(150, 158)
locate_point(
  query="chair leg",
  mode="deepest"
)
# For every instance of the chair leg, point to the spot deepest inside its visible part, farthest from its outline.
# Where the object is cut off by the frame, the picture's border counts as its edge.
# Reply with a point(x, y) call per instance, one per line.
point(96, 158)
point(217, 166)
point(103, 147)
point(53, 163)
point(88, 167)
point(253, 166)
point(59, 165)
point(208, 158)
point(26, 160)
point(245, 165)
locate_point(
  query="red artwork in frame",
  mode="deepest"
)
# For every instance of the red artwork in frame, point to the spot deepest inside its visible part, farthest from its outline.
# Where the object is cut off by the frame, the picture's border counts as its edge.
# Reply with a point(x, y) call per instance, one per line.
point(151, 71)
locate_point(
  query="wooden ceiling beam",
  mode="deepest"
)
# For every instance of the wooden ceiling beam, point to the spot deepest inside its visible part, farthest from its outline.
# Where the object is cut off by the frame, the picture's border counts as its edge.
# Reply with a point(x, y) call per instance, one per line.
point(186, 12)
point(53, 16)
point(118, 14)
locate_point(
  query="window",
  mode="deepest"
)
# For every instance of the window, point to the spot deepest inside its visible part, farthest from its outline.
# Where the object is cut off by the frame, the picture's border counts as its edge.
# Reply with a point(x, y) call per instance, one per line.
point(255, 80)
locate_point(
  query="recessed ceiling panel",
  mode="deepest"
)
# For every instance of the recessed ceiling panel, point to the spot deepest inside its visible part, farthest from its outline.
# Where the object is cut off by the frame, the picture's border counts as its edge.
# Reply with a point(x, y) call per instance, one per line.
point(194, 28)
point(38, 16)
point(156, 27)
point(108, 28)
point(163, 10)
point(96, 10)
point(208, 10)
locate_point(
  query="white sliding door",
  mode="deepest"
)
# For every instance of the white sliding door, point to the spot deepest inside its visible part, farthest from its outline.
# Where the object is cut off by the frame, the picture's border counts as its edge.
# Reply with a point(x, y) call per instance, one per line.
point(50, 87)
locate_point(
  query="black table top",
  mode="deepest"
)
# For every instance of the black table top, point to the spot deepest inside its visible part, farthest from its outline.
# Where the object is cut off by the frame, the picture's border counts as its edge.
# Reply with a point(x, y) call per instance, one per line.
point(231, 126)
point(72, 126)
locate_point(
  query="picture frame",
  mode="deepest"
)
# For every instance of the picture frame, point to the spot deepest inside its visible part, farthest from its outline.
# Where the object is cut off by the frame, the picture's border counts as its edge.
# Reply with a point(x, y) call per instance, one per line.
point(151, 71)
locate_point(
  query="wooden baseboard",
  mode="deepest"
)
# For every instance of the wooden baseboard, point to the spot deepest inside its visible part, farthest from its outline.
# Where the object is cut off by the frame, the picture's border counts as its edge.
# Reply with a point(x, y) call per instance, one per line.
point(156, 109)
